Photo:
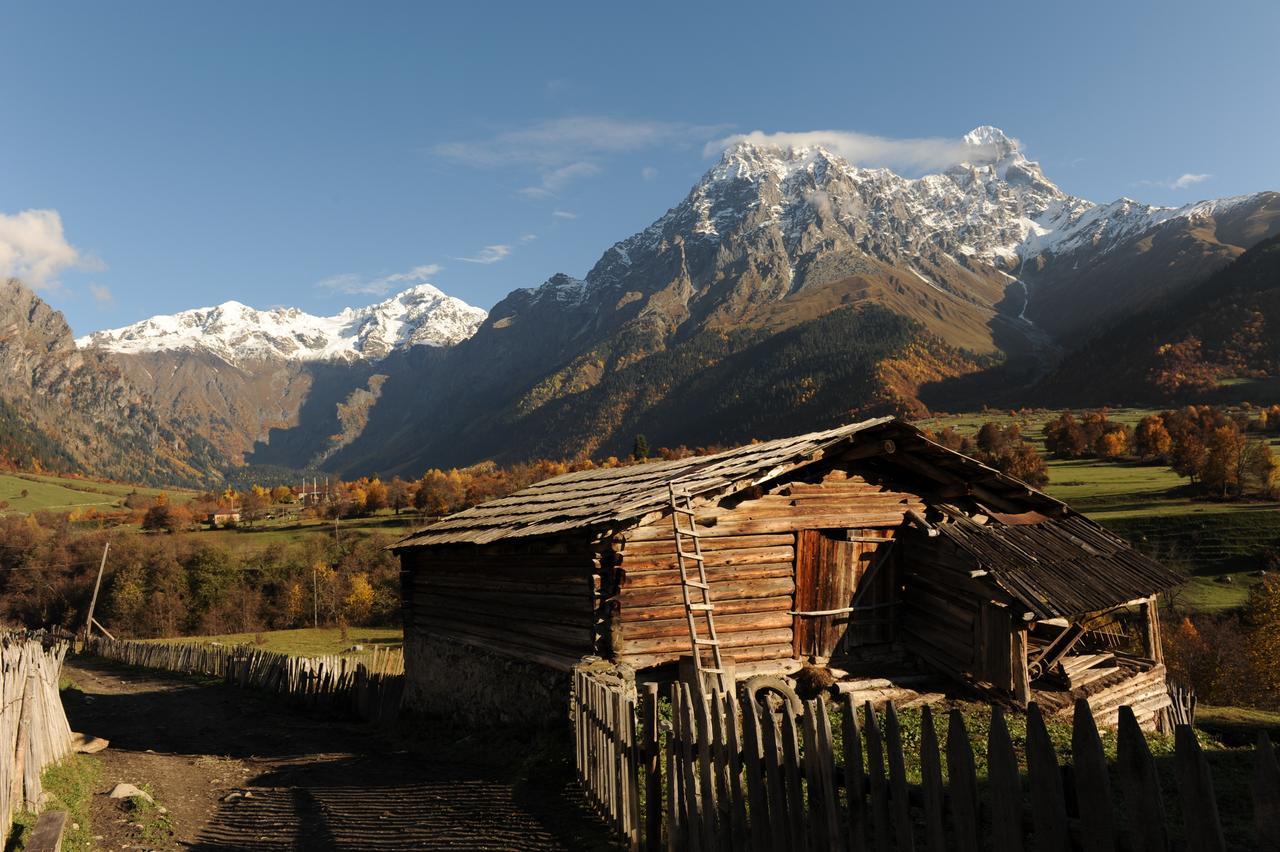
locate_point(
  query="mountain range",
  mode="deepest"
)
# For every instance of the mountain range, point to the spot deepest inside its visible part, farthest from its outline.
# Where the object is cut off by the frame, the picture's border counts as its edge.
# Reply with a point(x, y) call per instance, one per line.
point(789, 289)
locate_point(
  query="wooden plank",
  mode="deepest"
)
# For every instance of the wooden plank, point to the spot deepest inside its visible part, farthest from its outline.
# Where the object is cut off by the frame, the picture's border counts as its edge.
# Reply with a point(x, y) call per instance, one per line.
point(779, 816)
point(1048, 807)
point(48, 831)
point(830, 796)
point(675, 778)
point(706, 768)
point(962, 783)
point(799, 823)
point(738, 800)
point(931, 784)
point(1265, 787)
point(1019, 669)
point(815, 795)
point(854, 777)
point(1005, 785)
point(1195, 791)
point(753, 768)
point(1144, 804)
point(1093, 782)
point(720, 768)
point(878, 784)
point(897, 779)
point(693, 816)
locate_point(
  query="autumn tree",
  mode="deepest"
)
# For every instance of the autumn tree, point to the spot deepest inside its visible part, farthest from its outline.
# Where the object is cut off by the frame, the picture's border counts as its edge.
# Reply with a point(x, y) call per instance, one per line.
point(1065, 438)
point(159, 517)
point(375, 496)
point(359, 600)
point(1221, 464)
point(399, 494)
point(1151, 440)
point(1262, 620)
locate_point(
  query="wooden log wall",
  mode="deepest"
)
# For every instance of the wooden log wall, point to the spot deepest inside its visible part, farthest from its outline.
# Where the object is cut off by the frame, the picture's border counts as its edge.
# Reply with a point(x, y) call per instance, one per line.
point(750, 548)
point(33, 727)
point(952, 619)
point(536, 600)
point(730, 775)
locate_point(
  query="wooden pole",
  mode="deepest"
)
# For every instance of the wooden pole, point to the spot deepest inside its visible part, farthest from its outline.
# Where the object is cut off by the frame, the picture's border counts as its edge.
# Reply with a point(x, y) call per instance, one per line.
point(93, 602)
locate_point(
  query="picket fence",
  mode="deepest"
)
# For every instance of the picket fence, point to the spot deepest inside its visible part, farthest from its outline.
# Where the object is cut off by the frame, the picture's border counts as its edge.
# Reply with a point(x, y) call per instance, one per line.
point(33, 727)
point(368, 686)
point(728, 775)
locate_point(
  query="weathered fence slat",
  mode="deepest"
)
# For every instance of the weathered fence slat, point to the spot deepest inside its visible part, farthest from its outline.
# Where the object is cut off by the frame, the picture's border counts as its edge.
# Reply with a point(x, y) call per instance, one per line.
point(897, 780)
point(876, 780)
point(931, 777)
point(854, 778)
point(1093, 782)
point(753, 769)
point(1144, 804)
point(1005, 785)
point(962, 784)
point(1048, 808)
point(1195, 791)
point(1266, 793)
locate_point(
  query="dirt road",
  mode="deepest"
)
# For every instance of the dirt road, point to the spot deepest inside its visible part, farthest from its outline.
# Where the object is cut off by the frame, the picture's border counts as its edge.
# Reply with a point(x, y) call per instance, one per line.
point(236, 771)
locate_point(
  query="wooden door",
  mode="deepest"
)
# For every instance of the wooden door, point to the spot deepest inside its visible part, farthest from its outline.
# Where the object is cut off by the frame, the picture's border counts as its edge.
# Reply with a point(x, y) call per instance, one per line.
point(831, 568)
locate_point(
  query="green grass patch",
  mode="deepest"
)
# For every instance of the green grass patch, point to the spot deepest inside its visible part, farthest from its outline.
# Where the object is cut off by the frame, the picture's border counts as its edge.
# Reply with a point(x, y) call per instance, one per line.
point(152, 819)
point(1238, 726)
point(304, 642)
point(33, 492)
point(70, 786)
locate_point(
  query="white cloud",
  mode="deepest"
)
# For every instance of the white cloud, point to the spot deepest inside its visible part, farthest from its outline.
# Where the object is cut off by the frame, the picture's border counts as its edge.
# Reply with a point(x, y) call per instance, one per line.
point(102, 295)
point(565, 149)
point(556, 179)
point(354, 284)
point(34, 249)
point(1180, 182)
point(489, 254)
point(867, 150)
point(1187, 180)
point(528, 238)
point(648, 173)
point(563, 214)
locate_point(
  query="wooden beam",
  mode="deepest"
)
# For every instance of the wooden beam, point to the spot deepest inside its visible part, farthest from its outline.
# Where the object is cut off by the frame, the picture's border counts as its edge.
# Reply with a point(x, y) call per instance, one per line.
point(1154, 646)
point(1018, 666)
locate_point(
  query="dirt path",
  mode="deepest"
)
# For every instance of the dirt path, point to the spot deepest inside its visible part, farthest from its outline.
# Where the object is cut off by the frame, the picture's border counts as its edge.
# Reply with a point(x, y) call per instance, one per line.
point(235, 771)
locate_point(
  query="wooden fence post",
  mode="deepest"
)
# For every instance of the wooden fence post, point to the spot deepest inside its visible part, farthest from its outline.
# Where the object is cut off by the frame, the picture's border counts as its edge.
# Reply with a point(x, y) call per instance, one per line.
point(1093, 782)
point(962, 782)
point(652, 771)
point(1266, 793)
point(1144, 804)
point(897, 780)
point(854, 777)
point(1195, 790)
point(1005, 784)
point(1048, 807)
point(878, 784)
point(931, 777)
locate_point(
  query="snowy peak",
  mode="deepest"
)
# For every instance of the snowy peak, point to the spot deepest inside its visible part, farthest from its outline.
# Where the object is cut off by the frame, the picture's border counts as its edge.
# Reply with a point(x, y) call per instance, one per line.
point(235, 332)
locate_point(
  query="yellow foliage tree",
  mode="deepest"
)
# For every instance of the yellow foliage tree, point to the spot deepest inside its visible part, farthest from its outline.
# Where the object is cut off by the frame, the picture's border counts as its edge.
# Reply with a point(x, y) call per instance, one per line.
point(359, 601)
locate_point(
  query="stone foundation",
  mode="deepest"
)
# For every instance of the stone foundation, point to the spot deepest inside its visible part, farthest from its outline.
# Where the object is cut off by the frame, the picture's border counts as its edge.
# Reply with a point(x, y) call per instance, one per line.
point(447, 678)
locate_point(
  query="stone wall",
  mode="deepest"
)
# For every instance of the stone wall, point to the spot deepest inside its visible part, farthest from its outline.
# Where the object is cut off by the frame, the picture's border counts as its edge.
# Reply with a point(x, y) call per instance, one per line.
point(446, 677)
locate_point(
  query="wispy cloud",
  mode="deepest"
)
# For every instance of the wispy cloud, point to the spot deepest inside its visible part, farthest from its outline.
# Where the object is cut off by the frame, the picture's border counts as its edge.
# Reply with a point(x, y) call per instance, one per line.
point(1181, 182)
point(648, 173)
point(566, 149)
point(352, 283)
point(867, 150)
point(563, 214)
point(34, 248)
point(102, 295)
point(528, 238)
point(488, 254)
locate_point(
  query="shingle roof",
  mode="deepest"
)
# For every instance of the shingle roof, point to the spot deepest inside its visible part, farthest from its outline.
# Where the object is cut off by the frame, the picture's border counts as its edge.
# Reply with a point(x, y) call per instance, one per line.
point(615, 497)
point(1060, 567)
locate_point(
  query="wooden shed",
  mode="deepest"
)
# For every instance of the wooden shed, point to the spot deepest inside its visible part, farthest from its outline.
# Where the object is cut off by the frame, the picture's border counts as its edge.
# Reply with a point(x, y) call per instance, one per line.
point(859, 547)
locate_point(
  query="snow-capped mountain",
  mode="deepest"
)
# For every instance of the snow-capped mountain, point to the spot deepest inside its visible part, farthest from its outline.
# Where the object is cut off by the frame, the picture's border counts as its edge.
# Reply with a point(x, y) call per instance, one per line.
point(421, 315)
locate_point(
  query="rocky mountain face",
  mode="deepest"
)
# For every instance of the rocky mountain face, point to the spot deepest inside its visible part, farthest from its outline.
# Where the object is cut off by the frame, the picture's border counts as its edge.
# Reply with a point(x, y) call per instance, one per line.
point(234, 373)
point(74, 409)
point(788, 290)
point(942, 278)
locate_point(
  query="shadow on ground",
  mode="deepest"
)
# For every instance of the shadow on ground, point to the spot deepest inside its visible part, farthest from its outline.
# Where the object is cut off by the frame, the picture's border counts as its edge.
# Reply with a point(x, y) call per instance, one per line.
point(319, 784)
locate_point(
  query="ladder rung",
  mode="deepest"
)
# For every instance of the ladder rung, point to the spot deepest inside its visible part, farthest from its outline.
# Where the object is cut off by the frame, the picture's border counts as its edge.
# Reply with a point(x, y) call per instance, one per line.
point(706, 670)
point(697, 557)
point(706, 607)
point(707, 641)
point(696, 584)
point(690, 533)
point(682, 511)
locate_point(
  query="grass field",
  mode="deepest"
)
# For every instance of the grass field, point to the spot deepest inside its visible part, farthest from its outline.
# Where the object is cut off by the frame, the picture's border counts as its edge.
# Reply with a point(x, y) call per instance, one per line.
point(284, 530)
point(33, 492)
point(305, 642)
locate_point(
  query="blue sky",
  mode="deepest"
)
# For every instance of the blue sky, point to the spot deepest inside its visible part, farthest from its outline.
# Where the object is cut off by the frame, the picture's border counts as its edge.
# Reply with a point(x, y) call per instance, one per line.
point(317, 154)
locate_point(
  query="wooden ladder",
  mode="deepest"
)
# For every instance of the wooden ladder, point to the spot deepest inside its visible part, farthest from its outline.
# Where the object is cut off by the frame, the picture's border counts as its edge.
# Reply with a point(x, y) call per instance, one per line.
point(694, 608)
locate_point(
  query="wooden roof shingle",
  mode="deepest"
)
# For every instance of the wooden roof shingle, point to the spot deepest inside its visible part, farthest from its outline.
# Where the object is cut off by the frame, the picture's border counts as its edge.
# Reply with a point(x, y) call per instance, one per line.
point(604, 498)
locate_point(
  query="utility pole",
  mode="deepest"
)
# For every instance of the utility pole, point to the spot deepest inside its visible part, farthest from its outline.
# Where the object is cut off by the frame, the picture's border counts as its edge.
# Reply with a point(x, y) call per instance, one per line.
point(93, 603)
point(315, 599)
